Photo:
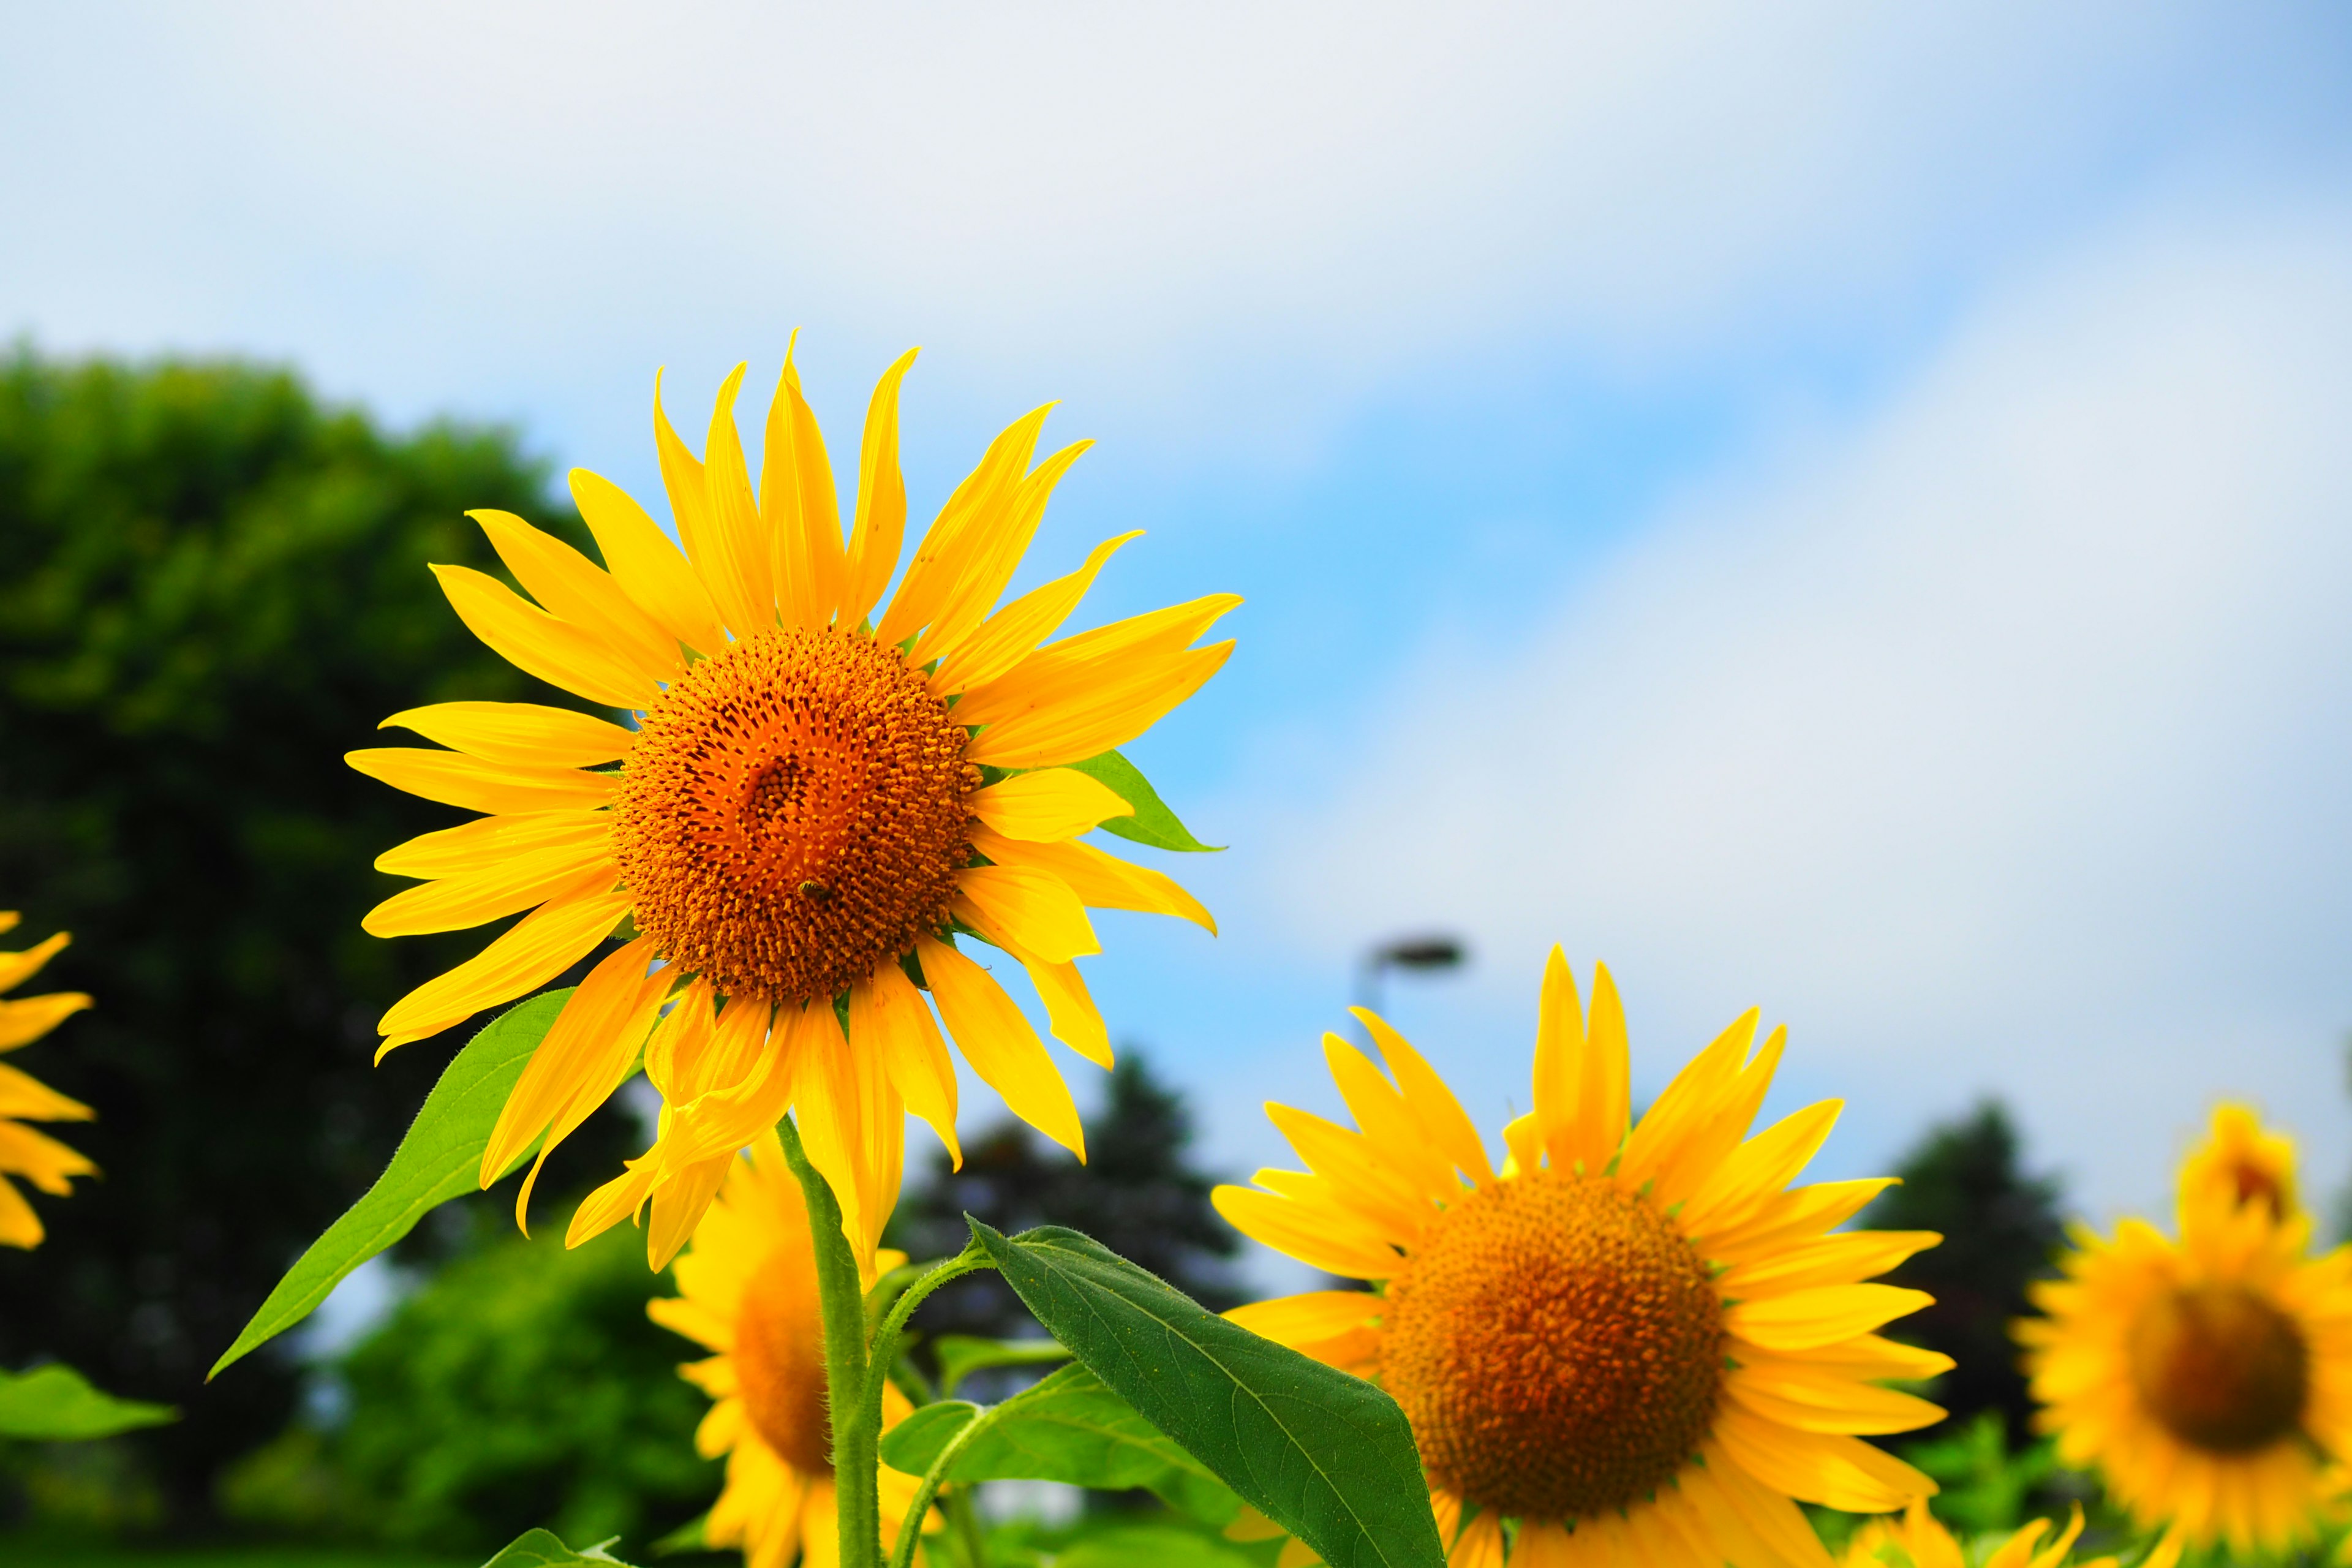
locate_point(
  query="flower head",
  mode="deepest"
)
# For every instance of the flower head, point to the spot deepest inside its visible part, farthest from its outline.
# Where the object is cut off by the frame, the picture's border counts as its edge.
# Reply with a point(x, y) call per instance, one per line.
point(821, 789)
point(36, 1157)
point(2237, 1163)
point(2209, 1380)
point(747, 1290)
point(1635, 1342)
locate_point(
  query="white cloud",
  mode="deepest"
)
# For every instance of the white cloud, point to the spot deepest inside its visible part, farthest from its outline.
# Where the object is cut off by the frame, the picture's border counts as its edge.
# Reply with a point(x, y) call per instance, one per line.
point(1217, 207)
point(2002, 742)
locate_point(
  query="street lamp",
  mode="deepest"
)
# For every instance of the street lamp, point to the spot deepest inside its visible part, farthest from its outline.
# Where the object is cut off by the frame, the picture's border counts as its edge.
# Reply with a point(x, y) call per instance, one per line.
point(1427, 954)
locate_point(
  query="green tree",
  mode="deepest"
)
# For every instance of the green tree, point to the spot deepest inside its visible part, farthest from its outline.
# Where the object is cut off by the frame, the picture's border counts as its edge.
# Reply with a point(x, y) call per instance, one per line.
point(211, 587)
point(2000, 1226)
point(526, 1386)
point(1139, 1194)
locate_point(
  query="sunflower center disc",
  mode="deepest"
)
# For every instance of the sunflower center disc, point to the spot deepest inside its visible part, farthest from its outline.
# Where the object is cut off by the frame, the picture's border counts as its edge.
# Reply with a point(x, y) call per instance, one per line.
point(793, 815)
point(1556, 1346)
point(2224, 1369)
point(779, 1362)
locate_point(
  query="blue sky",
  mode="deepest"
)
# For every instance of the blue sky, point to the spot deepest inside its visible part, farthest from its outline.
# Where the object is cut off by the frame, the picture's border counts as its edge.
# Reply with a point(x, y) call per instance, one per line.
point(1832, 508)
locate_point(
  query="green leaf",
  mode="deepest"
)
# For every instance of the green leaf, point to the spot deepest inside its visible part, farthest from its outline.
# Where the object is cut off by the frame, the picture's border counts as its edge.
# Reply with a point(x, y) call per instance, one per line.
point(916, 1444)
point(1152, 823)
point(545, 1549)
point(1327, 1455)
point(1069, 1428)
point(440, 1159)
point(686, 1537)
point(56, 1403)
point(961, 1356)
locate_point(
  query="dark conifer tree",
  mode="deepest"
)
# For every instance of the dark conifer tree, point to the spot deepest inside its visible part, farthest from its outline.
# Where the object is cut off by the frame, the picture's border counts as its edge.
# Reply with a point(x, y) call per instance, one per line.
point(2001, 1228)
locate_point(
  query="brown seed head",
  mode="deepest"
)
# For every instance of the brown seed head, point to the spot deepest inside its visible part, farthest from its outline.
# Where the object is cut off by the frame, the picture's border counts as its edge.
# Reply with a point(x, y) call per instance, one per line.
point(1557, 1346)
point(793, 815)
point(2224, 1369)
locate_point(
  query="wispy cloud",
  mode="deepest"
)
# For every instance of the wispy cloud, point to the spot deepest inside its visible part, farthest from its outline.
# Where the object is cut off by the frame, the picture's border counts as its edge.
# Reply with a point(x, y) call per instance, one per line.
point(2000, 741)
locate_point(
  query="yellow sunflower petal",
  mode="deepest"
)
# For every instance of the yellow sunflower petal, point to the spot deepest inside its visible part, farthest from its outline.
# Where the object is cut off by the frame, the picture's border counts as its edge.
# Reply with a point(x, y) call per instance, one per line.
point(455, 903)
point(456, 779)
point(1443, 1120)
point(1310, 1316)
point(1283, 1224)
point(1388, 1122)
point(1047, 806)
point(482, 844)
point(574, 589)
point(999, 542)
point(852, 1121)
point(592, 1043)
point(41, 1159)
point(888, 1015)
point(960, 529)
point(678, 1204)
point(880, 529)
point(646, 565)
point(1088, 713)
point(16, 968)
point(26, 1098)
point(1754, 1231)
point(1101, 881)
point(693, 1318)
point(1686, 1104)
point(740, 569)
point(1760, 1167)
point(540, 644)
point(538, 948)
point(1857, 1408)
point(28, 1018)
point(1801, 1320)
point(1360, 1178)
point(1000, 1044)
point(1817, 1466)
point(801, 507)
point(1842, 1260)
point(19, 1225)
point(1008, 637)
point(523, 734)
point(1035, 909)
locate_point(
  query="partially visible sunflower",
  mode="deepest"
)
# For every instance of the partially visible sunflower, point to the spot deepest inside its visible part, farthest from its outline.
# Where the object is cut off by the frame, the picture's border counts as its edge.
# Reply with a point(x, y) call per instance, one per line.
point(38, 1158)
point(818, 793)
point(1918, 1540)
point(2239, 1162)
point(1633, 1343)
point(747, 1290)
point(2209, 1380)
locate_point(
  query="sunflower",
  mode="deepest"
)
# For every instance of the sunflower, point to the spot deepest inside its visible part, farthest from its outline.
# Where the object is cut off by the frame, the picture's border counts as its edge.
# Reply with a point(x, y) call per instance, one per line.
point(2239, 1162)
point(2209, 1380)
point(38, 1158)
point(747, 1290)
point(1918, 1540)
point(1630, 1344)
point(811, 804)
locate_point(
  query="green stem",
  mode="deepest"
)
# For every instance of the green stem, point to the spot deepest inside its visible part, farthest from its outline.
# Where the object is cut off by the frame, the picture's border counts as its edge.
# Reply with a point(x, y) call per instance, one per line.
point(910, 1530)
point(965, 1521)
point(857, 1418)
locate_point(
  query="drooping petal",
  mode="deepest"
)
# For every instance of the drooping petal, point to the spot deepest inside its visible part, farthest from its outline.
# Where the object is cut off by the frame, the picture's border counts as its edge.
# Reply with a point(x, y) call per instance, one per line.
point(999, 1043)
point(853, 1123)
point(1101, 881)
point(887, 1017)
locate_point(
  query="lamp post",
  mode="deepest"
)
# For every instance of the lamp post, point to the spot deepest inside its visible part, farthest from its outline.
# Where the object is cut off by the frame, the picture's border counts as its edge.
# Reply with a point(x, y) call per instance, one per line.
point(1425, 953)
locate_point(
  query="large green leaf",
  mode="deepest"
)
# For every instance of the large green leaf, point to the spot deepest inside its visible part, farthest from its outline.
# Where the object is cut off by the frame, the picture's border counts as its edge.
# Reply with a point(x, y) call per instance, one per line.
point(1067, 1427)
point(440, 1159)
point(545, 1549)
point(56, 1403)
point(1327, 1456)
point(1152, 823)
point(961, 1356)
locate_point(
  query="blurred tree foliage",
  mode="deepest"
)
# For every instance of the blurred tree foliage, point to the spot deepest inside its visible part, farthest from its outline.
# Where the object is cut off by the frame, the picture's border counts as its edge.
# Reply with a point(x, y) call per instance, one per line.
point(1139, 1194)
point(524, 1386)
point(211, 587)
point(2001, 1228)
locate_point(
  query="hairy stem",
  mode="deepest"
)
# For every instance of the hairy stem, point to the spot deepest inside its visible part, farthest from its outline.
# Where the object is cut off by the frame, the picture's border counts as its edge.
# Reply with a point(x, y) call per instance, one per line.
point(911, 1529)
point(857, 1418)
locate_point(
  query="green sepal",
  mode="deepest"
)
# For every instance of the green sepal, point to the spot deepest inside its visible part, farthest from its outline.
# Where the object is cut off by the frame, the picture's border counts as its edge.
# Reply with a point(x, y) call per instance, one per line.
point(55, 1403)
point(439, 1159)
point(1153, 824)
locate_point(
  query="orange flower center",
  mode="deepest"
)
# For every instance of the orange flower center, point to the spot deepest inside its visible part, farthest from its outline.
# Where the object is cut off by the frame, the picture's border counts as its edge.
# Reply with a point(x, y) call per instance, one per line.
point(793, 814)
point(779, 1359)
point(1556, 1346)
point(2222, 1367)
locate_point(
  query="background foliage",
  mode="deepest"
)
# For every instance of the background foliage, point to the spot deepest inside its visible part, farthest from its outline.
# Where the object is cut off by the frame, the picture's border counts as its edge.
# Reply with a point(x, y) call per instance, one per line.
point(212, 586)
